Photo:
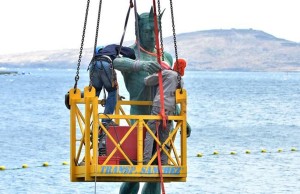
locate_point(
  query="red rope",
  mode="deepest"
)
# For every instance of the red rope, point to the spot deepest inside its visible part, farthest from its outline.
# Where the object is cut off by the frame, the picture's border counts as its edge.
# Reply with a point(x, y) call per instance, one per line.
point(161, 89)
point(159, 161)
point(161, 92)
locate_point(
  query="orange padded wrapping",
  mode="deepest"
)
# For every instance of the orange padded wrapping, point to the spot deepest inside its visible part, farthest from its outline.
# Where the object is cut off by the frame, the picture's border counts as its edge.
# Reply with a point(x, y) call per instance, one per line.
point(179, 66)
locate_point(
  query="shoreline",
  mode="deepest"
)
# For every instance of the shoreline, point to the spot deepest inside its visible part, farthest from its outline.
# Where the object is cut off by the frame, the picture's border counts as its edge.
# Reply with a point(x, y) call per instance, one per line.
point(8, 72)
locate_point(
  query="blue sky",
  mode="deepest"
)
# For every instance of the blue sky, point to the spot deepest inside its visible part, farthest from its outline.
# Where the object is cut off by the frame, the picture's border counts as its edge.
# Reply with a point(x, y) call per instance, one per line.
point(33, 25)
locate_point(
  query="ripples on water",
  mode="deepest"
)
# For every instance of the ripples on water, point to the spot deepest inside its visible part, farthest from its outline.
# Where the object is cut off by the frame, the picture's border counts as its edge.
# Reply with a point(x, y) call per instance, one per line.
point(228, 111)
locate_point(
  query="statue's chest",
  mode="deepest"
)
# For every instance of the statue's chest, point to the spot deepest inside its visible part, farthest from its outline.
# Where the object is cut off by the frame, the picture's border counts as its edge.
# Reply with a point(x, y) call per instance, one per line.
point(146, 57)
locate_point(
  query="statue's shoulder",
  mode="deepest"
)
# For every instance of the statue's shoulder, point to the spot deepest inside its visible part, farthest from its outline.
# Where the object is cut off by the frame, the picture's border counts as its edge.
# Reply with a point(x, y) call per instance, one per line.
point(168, 57)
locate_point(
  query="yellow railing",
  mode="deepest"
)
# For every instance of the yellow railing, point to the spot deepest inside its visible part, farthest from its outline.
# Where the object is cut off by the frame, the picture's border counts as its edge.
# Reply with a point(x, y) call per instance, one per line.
point(84, 126)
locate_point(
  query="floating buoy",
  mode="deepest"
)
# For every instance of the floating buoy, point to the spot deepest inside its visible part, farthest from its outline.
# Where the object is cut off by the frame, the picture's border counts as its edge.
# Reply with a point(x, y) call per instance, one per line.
point(215, 152)
point(199, 155)
point(293, 149)
point(45, 164)
point(280, 150)
point(248, 152)
point(263, 150)
point(24, 166)
point(65, 163)
point(233, 153)
point(2, 167)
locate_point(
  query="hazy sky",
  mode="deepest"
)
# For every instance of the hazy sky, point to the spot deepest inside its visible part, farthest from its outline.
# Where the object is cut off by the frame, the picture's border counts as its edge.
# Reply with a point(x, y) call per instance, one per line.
point(33, 25)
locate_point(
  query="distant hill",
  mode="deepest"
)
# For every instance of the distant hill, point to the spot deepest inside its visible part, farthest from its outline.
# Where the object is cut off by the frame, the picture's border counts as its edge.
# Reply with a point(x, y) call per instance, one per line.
point(237, 50)
point(215, 50)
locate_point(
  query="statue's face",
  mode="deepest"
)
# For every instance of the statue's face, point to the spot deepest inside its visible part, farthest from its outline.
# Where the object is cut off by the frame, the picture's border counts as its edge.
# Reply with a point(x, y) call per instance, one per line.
point(147, 36)
point(146, 30)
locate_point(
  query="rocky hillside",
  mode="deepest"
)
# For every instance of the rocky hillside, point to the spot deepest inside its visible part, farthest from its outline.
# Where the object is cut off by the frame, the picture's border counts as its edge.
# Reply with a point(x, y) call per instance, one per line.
point(237, 50)
point(215, 50)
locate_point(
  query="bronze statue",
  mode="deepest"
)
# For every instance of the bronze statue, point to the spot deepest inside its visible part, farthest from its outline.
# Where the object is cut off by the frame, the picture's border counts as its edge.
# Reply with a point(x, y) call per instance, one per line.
point(134, 72)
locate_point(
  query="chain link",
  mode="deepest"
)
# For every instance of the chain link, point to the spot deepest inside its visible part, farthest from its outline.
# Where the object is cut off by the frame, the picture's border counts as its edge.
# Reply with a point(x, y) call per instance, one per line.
point(81, 45)
point(95, 45)
point(175, 43)
point(160, 30)
point(174, 33)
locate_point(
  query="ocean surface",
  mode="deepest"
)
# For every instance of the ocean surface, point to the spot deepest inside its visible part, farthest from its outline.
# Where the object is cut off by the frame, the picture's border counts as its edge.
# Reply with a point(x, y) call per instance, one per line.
point(228, 111)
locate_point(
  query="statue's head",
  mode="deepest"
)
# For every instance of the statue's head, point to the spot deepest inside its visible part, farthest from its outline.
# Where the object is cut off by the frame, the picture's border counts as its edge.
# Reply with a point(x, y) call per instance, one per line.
point(146, 29)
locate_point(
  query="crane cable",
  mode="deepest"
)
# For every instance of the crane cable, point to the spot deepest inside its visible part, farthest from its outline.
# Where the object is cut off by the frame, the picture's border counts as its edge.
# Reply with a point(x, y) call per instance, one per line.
point(137, 31)
point(125, 26)
point(95, 46)
point(175, 45)
point(160, 32)
point(81, 45)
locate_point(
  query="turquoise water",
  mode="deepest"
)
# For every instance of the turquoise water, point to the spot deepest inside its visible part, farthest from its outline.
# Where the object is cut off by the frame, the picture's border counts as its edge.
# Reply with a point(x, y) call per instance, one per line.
point(228, 111)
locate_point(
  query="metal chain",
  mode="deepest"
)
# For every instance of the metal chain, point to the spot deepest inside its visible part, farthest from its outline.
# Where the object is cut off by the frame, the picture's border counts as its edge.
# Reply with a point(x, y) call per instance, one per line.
point(175, 42)
point(174, 33)
point(81, 46)
point(137, 32)
point(161, 36)
point(95, 44)
point(98, 23)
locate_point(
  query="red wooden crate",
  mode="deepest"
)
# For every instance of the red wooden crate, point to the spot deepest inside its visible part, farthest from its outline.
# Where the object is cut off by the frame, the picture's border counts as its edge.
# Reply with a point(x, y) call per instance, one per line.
point(129, 146)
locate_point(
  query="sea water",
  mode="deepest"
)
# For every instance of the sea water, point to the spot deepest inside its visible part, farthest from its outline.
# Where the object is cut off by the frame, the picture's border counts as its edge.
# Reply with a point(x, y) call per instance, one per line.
point(230, 113)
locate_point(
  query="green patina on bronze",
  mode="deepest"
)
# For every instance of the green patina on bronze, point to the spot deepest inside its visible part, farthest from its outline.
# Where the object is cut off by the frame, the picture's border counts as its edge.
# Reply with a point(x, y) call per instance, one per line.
point(134, 72)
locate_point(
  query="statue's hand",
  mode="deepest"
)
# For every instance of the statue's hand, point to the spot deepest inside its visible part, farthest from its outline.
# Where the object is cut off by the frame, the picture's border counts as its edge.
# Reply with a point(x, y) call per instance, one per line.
point(150, 66)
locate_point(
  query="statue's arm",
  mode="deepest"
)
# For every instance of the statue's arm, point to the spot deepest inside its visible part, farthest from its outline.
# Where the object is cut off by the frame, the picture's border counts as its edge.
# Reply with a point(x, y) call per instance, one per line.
point(124, 64)
point(168, 57)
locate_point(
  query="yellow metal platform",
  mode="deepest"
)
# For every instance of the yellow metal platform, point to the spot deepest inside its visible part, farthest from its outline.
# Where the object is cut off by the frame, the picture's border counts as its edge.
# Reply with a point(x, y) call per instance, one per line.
point(118, 165)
